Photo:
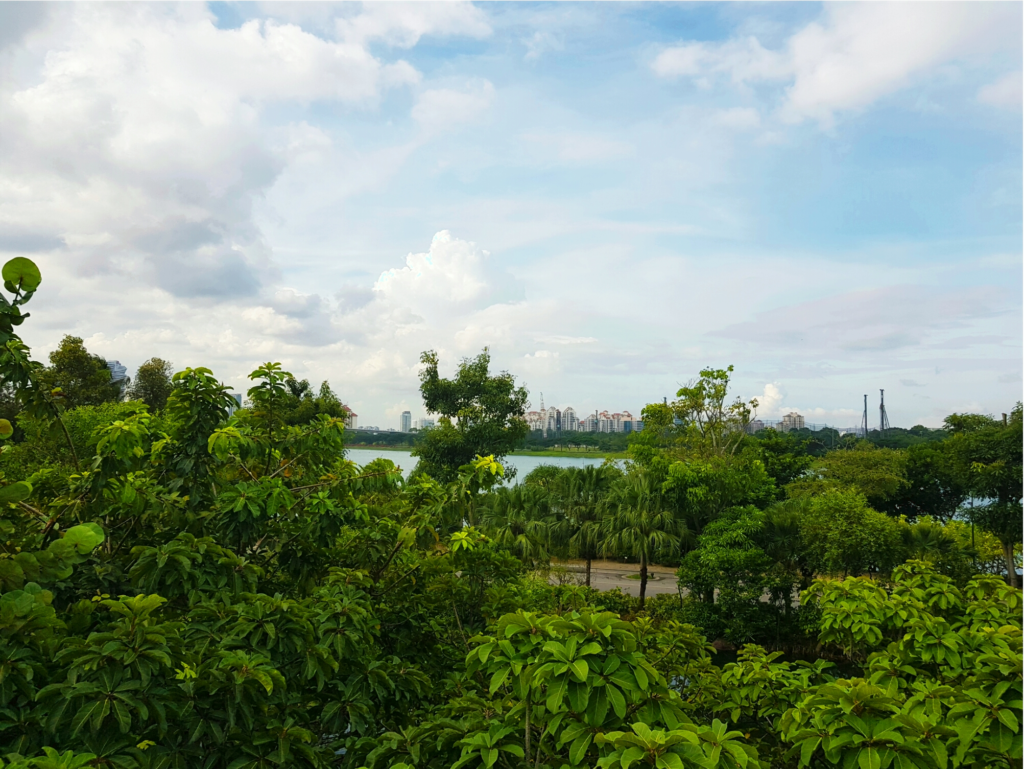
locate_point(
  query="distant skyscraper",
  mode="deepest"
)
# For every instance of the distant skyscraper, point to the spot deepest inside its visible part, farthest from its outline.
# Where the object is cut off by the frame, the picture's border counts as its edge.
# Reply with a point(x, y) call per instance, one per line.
point(569, 421)
point(406, 421)
point(118, 373)
point(792, 421)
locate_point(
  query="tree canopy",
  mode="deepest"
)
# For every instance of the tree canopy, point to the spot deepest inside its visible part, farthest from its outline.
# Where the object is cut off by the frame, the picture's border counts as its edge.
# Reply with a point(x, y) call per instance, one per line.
point(479, 414)
point(221, 588)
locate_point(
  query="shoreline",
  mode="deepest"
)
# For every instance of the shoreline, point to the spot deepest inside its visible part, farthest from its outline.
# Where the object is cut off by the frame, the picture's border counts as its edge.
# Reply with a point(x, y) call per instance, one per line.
point(543, 453)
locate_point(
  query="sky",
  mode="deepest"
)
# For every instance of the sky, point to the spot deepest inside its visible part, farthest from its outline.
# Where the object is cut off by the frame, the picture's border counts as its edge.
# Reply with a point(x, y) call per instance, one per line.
point(610, 197)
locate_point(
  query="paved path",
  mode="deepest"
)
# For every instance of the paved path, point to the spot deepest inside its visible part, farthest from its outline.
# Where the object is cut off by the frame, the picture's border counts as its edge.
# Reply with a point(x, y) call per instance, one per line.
point(606, 575)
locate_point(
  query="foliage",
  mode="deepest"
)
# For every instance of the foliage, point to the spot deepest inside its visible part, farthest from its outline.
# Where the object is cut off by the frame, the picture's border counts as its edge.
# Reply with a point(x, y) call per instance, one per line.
point(730, 572)
point(583, 495)
point(935, 486)
point(638, 524)
point(152, 384)
point(844, 535)
point(989, 456)
point(878, 474)
point(190, 589)
point(700, 420)
point(79, 377)
point(480, 414)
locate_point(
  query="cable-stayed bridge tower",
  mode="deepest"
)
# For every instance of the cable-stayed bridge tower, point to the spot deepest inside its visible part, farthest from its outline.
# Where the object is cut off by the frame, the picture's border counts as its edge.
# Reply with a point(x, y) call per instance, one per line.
point(864, 419)
point(883, 418)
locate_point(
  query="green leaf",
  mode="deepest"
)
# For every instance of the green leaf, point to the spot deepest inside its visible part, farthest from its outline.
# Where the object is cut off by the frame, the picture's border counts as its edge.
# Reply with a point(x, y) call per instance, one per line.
point(618, 702)
point(630, 756)
point(16, 492)
point(23, 273)
point(580, 669)
point(6, 429)
point(807, 748)
point(578, 749)
point(869, 758)
point(84, 538)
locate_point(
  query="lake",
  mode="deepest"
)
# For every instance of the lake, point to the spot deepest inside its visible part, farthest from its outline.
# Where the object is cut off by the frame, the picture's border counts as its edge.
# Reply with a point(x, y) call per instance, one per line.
point(522, 464)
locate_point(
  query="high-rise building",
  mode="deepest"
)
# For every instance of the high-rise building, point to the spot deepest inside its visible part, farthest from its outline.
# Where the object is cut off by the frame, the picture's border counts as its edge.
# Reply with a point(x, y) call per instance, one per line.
point(406, 421)
point(792, 421)
point(569, 421)
point(118, 372)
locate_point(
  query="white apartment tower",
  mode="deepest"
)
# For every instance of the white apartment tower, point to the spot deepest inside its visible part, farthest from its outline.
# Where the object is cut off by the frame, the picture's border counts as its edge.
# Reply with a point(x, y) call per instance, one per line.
point(406, 421)
point(569, 421)
point(792, 421)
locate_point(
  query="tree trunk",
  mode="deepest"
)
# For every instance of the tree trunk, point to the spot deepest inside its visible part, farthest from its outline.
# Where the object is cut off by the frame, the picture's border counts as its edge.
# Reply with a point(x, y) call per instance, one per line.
point(527, 735)
point(643, 581)
point(1011, 566)
point(588, 572)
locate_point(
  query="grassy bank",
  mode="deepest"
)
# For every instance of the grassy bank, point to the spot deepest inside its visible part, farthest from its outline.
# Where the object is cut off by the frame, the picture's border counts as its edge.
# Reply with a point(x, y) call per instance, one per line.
point(584, 454)
point(546, 453)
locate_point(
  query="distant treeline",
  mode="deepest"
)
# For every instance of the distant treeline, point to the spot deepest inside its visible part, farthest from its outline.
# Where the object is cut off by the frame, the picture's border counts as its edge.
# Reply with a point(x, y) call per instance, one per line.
point(816, 442)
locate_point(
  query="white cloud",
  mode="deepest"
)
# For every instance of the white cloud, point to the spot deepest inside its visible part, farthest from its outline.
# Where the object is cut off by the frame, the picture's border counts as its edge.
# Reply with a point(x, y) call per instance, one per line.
point(855, 55)
point(578, 148)
point(737, 117)
point(139, 143)
point(1007, 91)
point(743, 60)
point(769, 402)
point(403, 24)
point(562, 339)
point(443, 108)
point(540, 43)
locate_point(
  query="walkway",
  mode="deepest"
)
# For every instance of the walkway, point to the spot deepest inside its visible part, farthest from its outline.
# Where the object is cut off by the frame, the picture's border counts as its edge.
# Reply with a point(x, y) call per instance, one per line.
point(606, 575)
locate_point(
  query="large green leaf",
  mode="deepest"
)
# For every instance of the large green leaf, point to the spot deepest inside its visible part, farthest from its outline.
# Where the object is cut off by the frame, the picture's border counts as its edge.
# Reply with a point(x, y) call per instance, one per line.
point(15, 492)
point(85, 537)
point(22, 273)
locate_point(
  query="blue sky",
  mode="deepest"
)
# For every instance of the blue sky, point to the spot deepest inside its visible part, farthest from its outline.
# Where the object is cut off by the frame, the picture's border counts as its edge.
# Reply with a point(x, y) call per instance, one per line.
point(610, 196)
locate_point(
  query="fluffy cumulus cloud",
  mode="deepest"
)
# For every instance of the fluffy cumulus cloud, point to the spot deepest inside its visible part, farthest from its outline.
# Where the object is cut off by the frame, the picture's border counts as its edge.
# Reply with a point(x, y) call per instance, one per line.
point(139, 141)
point(855, 54)
point(227, 191)
point(139, 144)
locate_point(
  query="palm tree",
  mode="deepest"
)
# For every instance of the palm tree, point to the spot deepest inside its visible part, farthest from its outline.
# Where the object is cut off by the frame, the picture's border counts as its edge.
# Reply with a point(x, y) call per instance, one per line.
point(639, 525)
point(782, 542)
point(581, 495)
point(519, 518)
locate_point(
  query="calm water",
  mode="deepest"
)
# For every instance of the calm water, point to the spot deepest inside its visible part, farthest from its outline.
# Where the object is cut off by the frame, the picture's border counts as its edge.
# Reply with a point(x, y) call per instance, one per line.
point(523, 465)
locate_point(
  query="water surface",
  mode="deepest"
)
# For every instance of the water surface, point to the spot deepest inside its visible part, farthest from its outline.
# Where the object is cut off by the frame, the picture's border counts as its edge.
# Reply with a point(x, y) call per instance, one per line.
point(522, 464)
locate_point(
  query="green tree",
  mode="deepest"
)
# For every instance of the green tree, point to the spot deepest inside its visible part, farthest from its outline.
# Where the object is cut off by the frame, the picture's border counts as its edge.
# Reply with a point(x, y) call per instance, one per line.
point(639, 525)
point(582, 495)
point(935, 487)
point(83, 378)
point(700, 420)
point(480, 414)
point(301, 405)
point(843, 535)
point(784, 456)
point(152, 384)
point(878, 474)
point(988, 455)
point(519, 519)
